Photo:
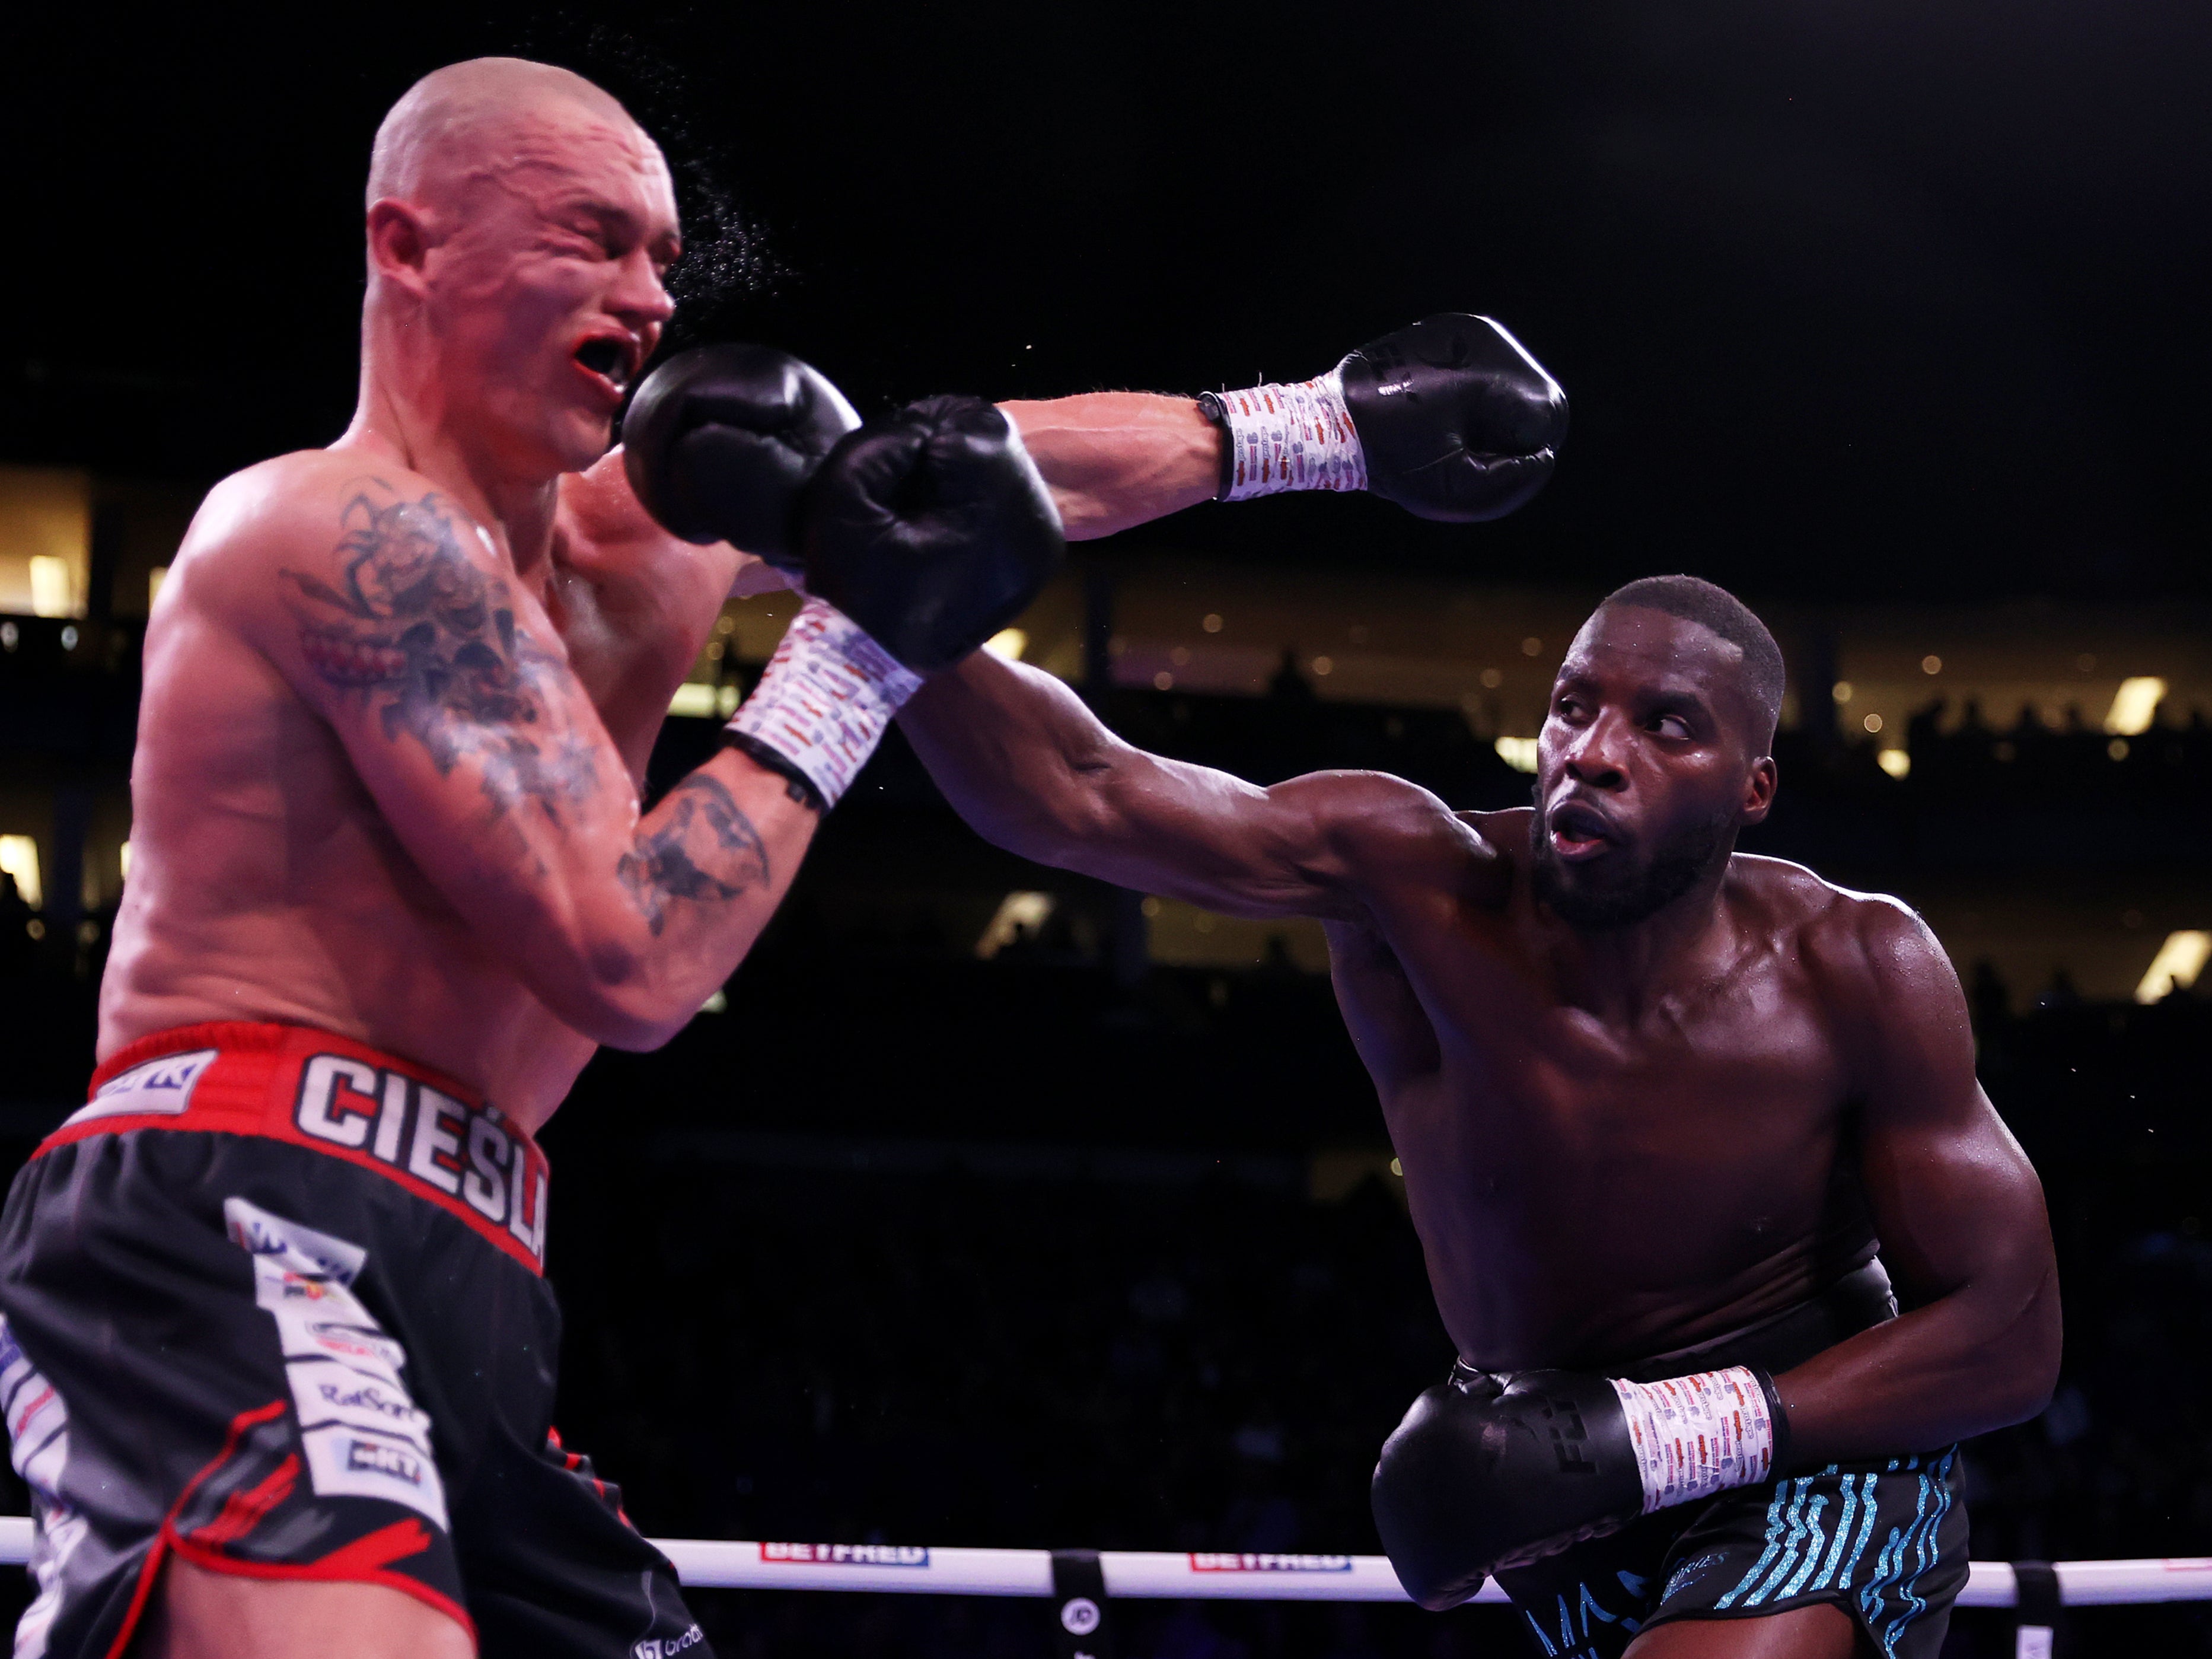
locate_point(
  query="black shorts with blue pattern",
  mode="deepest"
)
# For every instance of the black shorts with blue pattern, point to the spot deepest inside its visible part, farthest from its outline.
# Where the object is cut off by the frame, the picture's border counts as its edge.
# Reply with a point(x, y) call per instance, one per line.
point(1885, 1541)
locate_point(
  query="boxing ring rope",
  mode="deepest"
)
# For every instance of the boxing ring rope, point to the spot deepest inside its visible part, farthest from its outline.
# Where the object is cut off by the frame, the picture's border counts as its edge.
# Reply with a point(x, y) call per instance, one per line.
point(1153, 1575)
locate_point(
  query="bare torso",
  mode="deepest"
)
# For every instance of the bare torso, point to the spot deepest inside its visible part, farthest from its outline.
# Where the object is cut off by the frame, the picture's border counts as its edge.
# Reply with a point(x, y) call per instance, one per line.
point(1587, 1187)
point(266, 885)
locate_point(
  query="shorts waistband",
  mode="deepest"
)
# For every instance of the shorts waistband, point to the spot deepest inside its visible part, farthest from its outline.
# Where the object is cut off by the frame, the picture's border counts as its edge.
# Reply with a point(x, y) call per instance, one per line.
point(435, 1137)
point(1858, 1301)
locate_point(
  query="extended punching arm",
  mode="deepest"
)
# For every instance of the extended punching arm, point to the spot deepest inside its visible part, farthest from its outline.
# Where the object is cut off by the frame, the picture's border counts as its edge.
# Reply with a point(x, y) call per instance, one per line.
point(1032, 769)
point(1450, 417)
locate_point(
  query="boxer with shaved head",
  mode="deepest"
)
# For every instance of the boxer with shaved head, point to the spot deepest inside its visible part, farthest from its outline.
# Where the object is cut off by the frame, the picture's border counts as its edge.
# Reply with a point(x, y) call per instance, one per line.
point(277, 1354)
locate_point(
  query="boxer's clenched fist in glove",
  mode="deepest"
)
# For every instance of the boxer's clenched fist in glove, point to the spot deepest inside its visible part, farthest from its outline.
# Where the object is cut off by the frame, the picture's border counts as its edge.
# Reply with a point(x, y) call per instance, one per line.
point(925, 533)
point(1499, 1470)
point(1451, 418)
point(931, 529)
point(719, 442)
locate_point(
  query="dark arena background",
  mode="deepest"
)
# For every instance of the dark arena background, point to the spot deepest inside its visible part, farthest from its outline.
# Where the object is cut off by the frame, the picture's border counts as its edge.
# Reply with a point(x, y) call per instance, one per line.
point(990, 1206)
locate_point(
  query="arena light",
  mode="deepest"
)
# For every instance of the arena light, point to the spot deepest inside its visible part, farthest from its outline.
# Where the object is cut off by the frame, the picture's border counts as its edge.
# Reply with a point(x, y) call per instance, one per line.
point(155, 578)
point(1016, 913)
point(1007, 642)
point(1519, 753)
point(2178, 962)
point(52, 593)
point(19, 857)
point(1895, 762)
point(2134, 704)
point(123, 859)
point(693, 701)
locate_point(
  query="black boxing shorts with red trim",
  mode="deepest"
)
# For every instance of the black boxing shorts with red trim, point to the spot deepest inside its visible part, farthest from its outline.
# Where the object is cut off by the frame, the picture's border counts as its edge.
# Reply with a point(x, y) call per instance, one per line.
point(272, 1303)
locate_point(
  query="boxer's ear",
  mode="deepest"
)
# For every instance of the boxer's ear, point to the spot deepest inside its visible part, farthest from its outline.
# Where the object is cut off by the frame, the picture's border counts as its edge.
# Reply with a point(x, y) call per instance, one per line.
point(398, 242)
point(1759, 792)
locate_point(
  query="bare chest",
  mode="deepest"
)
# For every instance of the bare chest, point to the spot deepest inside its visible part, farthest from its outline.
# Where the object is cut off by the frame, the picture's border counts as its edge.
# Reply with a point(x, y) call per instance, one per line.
point(1717, 1115)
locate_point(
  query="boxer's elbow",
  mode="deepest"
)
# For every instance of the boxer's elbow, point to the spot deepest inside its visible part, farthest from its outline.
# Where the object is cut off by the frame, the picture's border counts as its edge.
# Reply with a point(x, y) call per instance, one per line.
point(2017, 1394)
point(609, 989)
point(2018, 1373)
point(615, 1010)
point(2038, 1372)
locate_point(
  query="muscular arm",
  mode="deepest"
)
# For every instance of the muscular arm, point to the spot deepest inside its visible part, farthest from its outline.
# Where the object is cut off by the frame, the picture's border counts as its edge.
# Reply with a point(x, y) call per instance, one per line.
point(1118, 458)
point(1033, 770)
point(387, 611)
point(1963, 1230)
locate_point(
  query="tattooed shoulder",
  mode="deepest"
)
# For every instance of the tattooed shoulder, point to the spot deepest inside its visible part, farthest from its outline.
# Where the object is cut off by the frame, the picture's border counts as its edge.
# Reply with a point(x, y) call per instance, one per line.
point(405, 620)
point(699, 847)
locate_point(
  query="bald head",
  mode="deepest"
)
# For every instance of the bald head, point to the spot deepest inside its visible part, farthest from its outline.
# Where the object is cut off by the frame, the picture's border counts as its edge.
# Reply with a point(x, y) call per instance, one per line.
point(518, 227)
point(469, 121)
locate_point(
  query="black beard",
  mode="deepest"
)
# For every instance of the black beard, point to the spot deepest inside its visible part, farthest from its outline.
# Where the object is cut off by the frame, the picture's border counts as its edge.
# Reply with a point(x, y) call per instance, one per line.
point(1676, 866)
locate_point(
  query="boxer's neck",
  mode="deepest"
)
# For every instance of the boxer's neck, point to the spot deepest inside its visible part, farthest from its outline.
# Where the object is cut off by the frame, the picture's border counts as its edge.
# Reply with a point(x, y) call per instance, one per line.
point(1621, 973)
point(407, 412)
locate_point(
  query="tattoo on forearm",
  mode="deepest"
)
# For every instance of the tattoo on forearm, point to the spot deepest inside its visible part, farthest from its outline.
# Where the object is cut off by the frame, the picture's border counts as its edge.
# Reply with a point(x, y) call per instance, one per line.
point(703, 848)
point(432, 642)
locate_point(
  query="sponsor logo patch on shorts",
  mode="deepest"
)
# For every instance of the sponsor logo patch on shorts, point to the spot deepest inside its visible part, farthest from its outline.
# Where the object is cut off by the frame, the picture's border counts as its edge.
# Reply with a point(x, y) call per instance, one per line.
point(327, 1391)
point(162, 1086)
point(667, 1647)
point(363, 1435)
point(299, 1249)
point(344, 1462)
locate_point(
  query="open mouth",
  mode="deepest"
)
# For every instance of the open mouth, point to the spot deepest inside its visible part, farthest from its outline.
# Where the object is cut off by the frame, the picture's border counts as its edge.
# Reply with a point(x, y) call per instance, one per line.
point(606, 357)
point(1579, 830)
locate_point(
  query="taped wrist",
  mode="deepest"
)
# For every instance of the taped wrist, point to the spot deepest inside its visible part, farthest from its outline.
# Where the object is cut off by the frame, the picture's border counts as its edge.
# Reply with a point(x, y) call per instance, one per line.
point(1698, 1435)
point(1280, 437)
point(823, 704)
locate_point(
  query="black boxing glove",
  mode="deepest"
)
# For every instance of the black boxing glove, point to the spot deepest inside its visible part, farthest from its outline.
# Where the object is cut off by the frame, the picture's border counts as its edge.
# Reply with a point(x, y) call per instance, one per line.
point(932, 529)
point(719, 442)
point(1499, 1470)
point(1451, 418)
point(925, 534)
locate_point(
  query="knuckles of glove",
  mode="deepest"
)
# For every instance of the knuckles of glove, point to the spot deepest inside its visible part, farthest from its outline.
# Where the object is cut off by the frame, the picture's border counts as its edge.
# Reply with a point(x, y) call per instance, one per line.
point(719, 442)
point(931, 529)
point(1500, 1473)
point(1457, 422)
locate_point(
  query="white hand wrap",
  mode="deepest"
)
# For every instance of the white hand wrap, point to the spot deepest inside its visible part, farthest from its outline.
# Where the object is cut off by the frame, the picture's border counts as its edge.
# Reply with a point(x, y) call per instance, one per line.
point(1695, 1435)
point(1289, 437)
point(826, 697)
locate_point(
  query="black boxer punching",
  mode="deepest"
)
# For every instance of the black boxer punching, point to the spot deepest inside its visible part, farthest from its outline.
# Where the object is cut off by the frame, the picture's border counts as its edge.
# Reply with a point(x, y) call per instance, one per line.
point(1672, 1118)
point(1659, 1104)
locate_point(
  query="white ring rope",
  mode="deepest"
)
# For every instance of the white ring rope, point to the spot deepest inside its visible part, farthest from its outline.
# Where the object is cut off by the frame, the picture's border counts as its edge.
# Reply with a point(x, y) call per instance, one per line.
point(1153, 1575)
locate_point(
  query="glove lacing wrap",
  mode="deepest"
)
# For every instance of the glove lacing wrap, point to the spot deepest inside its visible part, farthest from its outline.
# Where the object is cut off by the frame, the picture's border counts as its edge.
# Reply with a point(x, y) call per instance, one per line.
point(1280, 437)
point(825, 700)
